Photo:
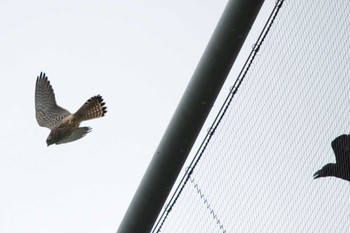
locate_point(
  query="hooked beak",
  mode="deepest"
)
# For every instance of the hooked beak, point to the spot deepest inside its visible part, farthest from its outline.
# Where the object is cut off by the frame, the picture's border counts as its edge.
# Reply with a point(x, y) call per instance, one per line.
point(317, 174)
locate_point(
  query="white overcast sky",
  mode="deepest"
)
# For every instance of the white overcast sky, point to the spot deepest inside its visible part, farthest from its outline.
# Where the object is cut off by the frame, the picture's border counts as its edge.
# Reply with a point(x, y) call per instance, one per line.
point(139, 55)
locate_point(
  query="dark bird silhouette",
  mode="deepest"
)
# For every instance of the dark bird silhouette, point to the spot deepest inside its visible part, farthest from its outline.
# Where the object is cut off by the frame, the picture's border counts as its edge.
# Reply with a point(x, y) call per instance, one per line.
point(340, 169)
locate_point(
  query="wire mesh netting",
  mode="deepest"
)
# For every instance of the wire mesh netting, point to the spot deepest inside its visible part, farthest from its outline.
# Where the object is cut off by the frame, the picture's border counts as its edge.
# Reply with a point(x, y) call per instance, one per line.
point(254, 173)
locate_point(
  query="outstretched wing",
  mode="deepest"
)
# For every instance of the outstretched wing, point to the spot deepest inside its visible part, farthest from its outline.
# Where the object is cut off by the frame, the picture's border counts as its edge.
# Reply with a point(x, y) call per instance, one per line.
point(48, 113)
point(341, 148)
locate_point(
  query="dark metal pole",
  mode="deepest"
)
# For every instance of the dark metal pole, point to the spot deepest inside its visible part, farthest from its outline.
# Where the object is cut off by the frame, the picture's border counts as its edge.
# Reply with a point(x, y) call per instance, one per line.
point(190, 115)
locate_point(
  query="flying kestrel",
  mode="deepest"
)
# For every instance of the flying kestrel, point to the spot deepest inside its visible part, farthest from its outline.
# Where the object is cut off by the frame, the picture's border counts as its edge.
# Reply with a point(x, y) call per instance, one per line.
point(64, 126)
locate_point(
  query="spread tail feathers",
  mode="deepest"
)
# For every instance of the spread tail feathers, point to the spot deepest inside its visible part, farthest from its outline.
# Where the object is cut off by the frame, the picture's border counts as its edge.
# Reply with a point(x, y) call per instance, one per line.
point(93, 108)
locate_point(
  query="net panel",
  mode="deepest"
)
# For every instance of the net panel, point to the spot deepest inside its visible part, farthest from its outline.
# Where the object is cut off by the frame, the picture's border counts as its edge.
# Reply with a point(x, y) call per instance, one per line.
point(255, 172)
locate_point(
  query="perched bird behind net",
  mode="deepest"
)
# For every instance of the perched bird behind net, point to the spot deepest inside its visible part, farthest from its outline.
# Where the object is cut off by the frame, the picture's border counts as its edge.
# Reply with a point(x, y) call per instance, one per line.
point(64, 126)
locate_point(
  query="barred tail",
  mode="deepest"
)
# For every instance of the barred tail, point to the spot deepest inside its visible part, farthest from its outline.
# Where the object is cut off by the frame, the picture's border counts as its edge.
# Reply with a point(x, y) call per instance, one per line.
point(93, 108)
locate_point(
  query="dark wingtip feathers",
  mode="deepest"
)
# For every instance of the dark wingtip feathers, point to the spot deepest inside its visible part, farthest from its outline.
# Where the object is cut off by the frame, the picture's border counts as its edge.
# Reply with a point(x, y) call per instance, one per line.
point(42, 78)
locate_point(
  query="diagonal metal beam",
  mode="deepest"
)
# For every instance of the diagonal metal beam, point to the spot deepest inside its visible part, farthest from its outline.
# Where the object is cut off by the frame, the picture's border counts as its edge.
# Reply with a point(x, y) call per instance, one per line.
point(190, 115)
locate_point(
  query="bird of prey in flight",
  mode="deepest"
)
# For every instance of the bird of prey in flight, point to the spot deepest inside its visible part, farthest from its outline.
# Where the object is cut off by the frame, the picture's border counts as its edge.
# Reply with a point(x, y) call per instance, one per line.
point(340, 169)
point(64, 125)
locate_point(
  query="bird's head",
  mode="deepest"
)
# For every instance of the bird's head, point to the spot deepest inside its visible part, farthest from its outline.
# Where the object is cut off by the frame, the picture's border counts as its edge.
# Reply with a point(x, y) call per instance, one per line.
point(327, 170)
point(49, 141)
point(54, 137)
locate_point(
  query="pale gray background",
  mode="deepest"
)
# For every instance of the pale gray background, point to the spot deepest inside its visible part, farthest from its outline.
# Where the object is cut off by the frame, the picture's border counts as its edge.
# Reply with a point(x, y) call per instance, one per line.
point(139, 55)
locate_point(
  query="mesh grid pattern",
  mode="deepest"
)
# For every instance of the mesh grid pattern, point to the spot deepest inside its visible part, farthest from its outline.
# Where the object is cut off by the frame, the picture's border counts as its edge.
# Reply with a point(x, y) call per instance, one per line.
point(255, 173)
